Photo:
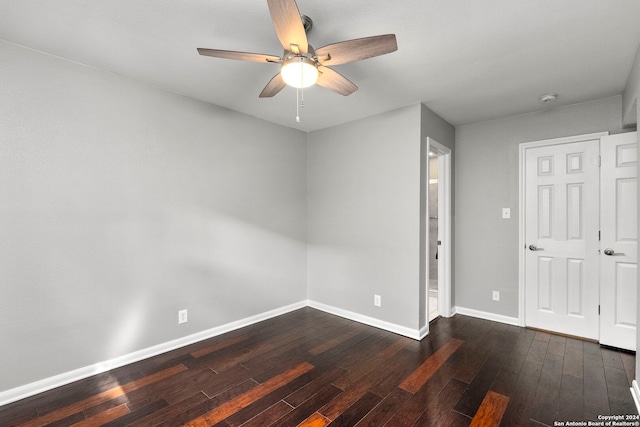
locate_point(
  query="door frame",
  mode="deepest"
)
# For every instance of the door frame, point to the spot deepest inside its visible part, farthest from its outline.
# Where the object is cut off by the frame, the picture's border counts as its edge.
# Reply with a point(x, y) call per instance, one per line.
point(444, 228)
point(521, 205)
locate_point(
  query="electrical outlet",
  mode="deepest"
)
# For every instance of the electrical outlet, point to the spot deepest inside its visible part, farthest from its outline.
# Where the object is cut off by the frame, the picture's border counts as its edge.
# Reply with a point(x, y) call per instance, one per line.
point(377, 300)
point(496, 295)
point(182, 316)
point(506, 213)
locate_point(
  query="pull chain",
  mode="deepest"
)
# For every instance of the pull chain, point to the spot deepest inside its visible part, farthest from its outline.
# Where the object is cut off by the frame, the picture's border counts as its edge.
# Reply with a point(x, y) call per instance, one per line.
point(297, 105)
point(299, 96)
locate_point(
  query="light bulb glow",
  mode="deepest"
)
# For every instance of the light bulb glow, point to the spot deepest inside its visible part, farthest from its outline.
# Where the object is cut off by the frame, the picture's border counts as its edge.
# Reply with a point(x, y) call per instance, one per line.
point(299, 72)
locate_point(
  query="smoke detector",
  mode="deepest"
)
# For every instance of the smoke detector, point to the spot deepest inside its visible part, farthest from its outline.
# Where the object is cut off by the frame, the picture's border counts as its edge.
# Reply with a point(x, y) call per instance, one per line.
point(548, 97)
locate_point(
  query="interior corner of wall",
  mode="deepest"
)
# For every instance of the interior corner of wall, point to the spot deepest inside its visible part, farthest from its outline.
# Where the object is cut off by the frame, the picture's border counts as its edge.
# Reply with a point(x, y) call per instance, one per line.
point(630, 117)
point(631, 93)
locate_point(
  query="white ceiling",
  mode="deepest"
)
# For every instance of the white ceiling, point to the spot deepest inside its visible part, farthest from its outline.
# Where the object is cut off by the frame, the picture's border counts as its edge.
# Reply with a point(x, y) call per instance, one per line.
point(467, 60)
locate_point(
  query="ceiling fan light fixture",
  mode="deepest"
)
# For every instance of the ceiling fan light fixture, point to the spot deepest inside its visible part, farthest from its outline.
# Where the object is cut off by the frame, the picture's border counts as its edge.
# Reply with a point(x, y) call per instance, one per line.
point(299, 71)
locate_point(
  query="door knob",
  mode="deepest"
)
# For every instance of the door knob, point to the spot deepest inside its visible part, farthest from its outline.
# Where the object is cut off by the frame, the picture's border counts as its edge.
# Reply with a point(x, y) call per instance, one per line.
point(609, 251)
point(533, 248)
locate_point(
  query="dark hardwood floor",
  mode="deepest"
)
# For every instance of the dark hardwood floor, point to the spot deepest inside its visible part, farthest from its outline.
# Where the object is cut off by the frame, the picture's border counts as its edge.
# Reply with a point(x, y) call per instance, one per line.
point(310, 368)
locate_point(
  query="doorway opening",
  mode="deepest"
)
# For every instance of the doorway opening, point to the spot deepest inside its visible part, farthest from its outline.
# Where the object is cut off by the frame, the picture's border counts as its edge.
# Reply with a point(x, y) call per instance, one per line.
point(433, 235)
point(438, 229)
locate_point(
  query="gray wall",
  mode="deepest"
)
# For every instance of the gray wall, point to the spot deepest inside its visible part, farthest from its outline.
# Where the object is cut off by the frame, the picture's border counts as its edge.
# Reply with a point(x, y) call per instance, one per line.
point(364, 216)
point(367, 193)
point(486, 171)
point(630, 95)
point(122, 203)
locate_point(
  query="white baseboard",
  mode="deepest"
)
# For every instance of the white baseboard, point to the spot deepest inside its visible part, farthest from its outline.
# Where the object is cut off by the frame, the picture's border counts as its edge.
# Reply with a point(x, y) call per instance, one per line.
point(377, 323)
point(635, 392)
point(423, 332)
point(34, 388)
point(487, 316)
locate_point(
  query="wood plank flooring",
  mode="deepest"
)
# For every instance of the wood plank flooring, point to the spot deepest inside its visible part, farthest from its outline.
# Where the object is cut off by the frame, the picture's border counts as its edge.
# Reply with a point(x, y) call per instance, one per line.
point(309, 368)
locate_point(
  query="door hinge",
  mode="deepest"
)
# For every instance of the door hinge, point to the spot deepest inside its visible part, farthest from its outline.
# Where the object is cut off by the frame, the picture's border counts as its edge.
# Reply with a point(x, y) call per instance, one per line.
point(598, 235)
point(599, 161)
point(598, 310)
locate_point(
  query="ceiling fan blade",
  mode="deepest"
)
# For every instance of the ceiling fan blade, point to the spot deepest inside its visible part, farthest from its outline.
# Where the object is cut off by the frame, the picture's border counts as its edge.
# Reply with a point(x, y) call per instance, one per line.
point(242, 56)
point(332, 80)
point(273, 87)
point(288, 24)
point(357, 49)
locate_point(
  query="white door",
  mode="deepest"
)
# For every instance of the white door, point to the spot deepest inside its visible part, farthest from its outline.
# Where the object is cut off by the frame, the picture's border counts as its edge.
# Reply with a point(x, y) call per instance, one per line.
point(561, 235)
point(619, 242)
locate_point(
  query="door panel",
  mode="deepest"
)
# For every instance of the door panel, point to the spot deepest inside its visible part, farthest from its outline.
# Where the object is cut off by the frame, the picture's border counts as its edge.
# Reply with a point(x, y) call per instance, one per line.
point(575, 286)
point(618, 281)
point(561, 234)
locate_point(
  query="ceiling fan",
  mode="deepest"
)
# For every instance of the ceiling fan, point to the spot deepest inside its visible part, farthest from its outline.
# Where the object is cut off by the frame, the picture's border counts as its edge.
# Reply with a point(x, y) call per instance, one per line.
point(301, 64)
